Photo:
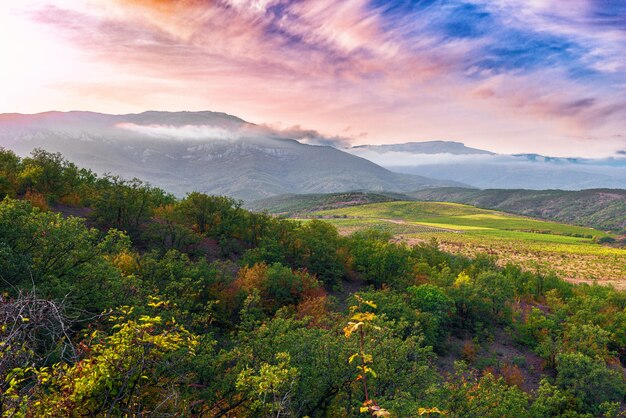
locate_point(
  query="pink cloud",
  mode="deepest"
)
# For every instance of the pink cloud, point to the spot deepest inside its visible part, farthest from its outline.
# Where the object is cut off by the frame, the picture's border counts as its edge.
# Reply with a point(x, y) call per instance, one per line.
point(320, 64)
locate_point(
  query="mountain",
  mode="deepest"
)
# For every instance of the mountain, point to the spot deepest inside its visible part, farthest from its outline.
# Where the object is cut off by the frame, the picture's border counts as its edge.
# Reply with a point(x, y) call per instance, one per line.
point(426, 147)
point(208, 152)
point(603, 209)
point(482, 169)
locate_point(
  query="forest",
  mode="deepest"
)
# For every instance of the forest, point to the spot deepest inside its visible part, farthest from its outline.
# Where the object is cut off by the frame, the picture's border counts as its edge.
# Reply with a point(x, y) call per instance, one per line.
point(119, 299)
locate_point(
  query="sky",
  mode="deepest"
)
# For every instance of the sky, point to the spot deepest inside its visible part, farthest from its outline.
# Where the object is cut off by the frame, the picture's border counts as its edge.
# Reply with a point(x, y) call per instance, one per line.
point(511, 76)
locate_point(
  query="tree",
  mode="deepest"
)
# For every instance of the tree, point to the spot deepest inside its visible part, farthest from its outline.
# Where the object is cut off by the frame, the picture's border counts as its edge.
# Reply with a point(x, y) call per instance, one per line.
point(130, 372)
point(61, 257)
point(126, 204)
point(52, 175)
point(319, 244)
point(473, 397)
point(359, 320)
point(278, 285)
point(270, 388)
point(10, 166)
point(210, 215)
point(166, 231)
point(589, 380)
point(380, 262)
point(554, 402)
point(436, 310)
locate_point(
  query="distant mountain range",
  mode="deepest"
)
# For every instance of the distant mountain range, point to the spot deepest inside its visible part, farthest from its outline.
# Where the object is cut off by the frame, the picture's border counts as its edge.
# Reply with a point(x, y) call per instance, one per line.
point(218, 153)
point(454, 161)
point(209, 152)
point(426, 147)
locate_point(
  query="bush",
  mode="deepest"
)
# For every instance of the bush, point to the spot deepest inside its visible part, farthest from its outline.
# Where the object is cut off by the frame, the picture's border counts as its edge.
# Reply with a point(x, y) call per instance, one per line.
point(605, 240)
point(589, 380)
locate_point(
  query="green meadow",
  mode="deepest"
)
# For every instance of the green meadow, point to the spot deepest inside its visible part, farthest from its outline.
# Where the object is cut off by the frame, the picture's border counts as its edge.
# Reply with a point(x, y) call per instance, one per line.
point(569, 251)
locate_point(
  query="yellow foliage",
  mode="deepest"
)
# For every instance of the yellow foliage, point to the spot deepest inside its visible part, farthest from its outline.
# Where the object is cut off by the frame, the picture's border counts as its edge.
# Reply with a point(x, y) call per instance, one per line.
point(126, 262)
point(427, 411)
point(253, 277)
point(462, 279)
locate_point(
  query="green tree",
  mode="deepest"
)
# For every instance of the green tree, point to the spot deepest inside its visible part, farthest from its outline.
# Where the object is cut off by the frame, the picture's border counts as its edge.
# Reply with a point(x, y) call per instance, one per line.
point(53, 176)
point(589, 380)
point(380, 262)
point(487, 396)
point(211, 215)
point(10, 166)
point(270, 388)
point(130, 372)
point(319, 251)
point(126, 204)
point(436, 312)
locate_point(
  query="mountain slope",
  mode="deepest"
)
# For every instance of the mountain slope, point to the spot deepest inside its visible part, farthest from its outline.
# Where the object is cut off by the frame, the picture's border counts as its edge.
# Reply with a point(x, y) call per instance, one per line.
point(302, 203)
point(205, 151)
point(600, 208)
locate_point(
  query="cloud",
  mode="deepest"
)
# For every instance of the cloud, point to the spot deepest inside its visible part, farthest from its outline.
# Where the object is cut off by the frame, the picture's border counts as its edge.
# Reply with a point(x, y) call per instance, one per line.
point(409, 159)
point(205, 132)
point(311, 136)
point(506, 75)
point(184, 132)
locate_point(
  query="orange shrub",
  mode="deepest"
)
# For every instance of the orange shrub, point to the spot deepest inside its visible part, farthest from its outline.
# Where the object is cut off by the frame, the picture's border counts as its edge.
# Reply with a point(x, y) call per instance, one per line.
point(468, 352)
point(252, 277)
point(279, 285)
point(316, 308)
point(38, 200)
point(512, 375)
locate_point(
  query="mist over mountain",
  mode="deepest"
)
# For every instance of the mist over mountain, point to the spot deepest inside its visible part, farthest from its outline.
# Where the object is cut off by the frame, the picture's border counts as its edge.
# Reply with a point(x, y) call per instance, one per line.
point(454, 161)
point(426, 147)
point(208, 152)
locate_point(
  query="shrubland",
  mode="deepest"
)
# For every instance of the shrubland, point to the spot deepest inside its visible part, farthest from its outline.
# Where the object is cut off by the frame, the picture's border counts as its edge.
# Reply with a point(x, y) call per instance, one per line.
point(148, 305)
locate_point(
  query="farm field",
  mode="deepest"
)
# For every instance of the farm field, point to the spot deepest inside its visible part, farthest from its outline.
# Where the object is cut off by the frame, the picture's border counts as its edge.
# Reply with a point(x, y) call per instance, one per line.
point(569, 251)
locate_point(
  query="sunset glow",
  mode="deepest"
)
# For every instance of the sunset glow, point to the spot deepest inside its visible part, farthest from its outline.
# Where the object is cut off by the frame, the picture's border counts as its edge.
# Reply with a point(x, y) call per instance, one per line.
point(506, 75)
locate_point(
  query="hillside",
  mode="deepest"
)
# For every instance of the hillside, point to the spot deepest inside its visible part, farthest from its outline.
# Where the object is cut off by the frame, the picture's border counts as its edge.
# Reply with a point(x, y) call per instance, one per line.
point(158, 306)
point(208, 152)
point(571, 251)
point(291, 204)
point(603, 209)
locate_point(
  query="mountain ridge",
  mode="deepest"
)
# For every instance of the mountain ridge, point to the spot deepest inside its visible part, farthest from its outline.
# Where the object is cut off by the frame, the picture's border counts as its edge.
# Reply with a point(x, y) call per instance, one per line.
point(426, 147)
point(210, 152)
point(449, 160)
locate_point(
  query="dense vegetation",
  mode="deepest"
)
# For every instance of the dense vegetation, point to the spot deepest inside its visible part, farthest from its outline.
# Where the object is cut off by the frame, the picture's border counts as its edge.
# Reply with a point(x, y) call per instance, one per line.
point(149, 305)
point(574, 252)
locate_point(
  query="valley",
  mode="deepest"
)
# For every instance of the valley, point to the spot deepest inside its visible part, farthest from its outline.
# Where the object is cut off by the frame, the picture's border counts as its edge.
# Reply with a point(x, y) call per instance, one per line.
point(313, 209)
point(569, 251)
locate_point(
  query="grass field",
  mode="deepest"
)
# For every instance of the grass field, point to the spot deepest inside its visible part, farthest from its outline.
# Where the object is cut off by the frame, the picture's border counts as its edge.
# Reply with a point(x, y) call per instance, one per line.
point(568, 250)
